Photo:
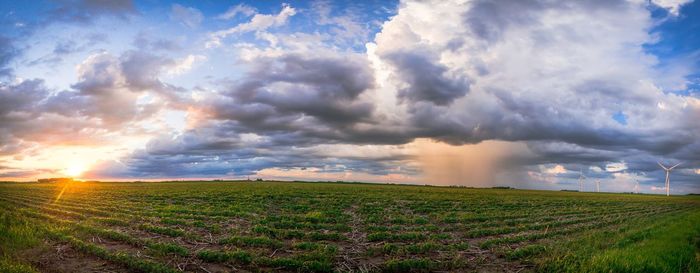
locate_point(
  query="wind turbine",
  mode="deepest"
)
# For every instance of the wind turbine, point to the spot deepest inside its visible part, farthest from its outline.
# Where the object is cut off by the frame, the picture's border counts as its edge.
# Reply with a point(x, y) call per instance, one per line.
point(597, 185)
point(581, 177)
point(636, 186)
point(668, 171)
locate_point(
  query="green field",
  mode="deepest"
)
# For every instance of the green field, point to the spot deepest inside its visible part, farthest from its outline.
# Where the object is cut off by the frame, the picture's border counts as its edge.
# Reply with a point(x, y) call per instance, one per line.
point(329, 227)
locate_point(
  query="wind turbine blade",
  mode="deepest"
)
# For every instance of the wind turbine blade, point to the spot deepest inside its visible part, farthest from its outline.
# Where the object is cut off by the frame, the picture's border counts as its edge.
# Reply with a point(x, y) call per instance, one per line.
point(674, 166)
point(662, 166)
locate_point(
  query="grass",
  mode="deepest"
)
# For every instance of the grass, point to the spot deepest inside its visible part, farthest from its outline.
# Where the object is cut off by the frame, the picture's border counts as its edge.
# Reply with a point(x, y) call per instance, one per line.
point(259, 241)
point(163, 230)
point(16, 234)
point(168, 248)
point(9, 265)
point(129, 261)
point(327, 227)
point(239, 256)
point(526, 251)
point(669, 245)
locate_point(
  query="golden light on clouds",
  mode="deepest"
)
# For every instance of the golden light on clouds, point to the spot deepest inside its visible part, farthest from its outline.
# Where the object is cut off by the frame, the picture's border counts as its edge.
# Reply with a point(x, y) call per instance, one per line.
point(59, 160)
point(557, 169)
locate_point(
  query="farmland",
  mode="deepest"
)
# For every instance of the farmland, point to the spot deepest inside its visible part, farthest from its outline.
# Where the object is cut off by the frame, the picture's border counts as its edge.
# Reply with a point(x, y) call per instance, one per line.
point(331, 227)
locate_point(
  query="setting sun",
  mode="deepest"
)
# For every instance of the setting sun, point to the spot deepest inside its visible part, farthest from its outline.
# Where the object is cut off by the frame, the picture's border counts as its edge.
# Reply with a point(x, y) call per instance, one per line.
point(74, 170)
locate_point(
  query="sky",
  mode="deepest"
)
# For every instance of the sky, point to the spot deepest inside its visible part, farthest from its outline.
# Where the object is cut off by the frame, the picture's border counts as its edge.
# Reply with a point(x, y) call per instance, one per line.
point(523, 93)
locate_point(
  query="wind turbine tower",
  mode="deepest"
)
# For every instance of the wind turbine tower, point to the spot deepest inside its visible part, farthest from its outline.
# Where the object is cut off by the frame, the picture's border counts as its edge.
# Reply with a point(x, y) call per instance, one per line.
point(636, 186)
point(581, 177)
point(668, 171)
point(597, 185)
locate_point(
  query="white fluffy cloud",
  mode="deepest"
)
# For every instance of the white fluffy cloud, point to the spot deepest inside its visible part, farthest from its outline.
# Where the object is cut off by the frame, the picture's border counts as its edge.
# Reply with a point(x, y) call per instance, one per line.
point(673, 6)
point(616, 167)
point(235, 10)
point(185, 64)
point(259, 22)
point(556, 169)
point(549, 71)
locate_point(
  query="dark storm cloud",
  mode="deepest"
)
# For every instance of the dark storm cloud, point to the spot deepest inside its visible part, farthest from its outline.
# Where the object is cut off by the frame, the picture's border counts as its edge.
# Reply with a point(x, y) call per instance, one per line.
point(426, 80)
point(520, 120)
point(323, 88)
point(563, 152)
point(311, 99)
point(217, 150)
point(289, 104)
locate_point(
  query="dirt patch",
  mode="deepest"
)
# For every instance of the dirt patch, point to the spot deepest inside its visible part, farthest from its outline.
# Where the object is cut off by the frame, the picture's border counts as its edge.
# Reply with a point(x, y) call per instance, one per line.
point(61, 258)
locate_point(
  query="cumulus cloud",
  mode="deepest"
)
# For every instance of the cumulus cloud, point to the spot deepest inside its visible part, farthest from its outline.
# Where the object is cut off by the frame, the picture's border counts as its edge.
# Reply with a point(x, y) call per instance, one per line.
point(508, 103)
point(31, 118)
point(556, 169)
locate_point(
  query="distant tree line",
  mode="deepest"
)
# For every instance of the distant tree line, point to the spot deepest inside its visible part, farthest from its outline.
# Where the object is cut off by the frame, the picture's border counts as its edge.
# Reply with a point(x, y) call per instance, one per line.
point(55, 180)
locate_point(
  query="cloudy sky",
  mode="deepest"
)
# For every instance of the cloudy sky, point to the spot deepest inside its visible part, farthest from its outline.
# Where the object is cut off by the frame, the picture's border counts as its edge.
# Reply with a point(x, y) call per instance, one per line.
point(524, 93)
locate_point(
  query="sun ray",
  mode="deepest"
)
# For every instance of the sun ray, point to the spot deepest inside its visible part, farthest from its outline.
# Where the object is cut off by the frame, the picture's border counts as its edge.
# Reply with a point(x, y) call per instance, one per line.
point(58, 197)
